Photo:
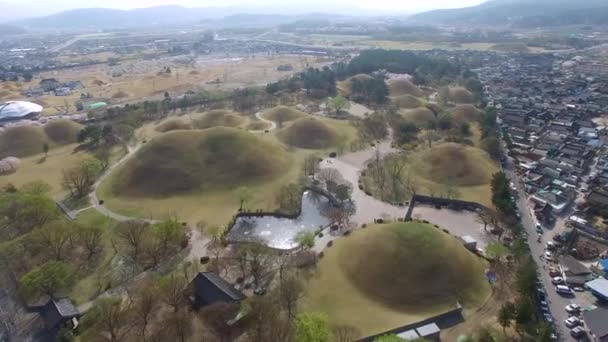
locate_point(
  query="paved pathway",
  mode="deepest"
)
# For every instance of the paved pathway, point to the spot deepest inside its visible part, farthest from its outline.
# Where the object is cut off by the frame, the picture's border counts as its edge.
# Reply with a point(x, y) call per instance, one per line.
point(273, 124)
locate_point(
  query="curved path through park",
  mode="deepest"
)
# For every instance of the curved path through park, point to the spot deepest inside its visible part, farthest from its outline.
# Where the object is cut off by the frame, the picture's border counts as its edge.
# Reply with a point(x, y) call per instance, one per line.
point(273, 125)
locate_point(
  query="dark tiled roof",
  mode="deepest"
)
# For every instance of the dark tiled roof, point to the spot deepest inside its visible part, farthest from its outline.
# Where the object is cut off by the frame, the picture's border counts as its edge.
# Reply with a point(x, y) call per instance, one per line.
point(596, 322)
point(210, 287)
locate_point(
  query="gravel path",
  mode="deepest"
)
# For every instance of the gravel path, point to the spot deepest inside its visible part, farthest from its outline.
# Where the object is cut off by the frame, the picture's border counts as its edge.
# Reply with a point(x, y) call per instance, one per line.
point(273, 124)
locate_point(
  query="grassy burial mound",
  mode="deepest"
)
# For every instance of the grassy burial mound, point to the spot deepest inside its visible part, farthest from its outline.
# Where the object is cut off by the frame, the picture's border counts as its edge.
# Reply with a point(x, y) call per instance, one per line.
point(455, 164)
point(21, 141)
point(346, 87)
point(388, 275)
point(460, 95)
point(258, 125)
point(419, 116)
point(218, 118)
point(403, 87)
point(62, 131)
point(283, 114)
point(194, 161)
point(407, 101)
point(173, 124)
point(309, 133)
point(466, 113)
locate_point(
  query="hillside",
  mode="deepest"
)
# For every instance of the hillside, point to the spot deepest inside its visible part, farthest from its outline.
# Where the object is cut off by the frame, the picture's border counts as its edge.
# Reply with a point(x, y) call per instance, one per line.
point(525, 13)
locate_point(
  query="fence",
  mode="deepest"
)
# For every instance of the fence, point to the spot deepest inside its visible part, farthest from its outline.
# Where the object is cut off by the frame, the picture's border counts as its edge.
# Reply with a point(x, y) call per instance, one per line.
point(442, 202)
point(444, 320)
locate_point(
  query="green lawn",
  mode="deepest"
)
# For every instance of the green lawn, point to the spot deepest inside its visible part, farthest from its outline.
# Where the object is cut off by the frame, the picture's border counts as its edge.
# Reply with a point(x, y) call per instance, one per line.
point(385, 276)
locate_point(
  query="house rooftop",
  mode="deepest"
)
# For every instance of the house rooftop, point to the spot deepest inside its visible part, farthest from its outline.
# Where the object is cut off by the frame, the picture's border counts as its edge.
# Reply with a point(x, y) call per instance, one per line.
point(596, 320)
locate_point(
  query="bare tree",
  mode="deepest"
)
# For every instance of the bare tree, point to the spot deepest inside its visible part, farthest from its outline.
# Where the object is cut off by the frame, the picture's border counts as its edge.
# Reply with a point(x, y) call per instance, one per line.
point(345, 333)
point(289, 292)
point(145, 305)
point(486, 217)
point(329, 175)
point(177, 324)
point(311, 164)
point(395, 167)
point(132, 234)
point(53, 238)
point(341, 215)
point(91, 238)
point(172, 291)
point(80, 179)
point(111, 319)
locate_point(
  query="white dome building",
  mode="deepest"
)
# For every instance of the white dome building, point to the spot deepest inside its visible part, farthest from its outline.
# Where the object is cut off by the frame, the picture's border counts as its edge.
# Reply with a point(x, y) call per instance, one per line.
point(17, 110)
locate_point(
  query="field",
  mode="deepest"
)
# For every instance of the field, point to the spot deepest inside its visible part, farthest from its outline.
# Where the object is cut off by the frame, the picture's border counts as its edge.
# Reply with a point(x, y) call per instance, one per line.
point(357, 283)
point(389, 44)
point(140, 78)
point(50, 170)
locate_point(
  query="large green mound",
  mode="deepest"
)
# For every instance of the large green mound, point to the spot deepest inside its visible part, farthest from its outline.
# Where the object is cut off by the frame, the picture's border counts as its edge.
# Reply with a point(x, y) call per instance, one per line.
point(22, 141)
point(460, 95)
point(419, 116)
point(258, 125)
point(455, 164)
point(411, 266)
point(62, 131)
point(466, 113)
point(308, 133)
point(193, 161)
point(403, 87)
point(217, 118)
point(282, 114)
point(173, 124)
point(407, 101)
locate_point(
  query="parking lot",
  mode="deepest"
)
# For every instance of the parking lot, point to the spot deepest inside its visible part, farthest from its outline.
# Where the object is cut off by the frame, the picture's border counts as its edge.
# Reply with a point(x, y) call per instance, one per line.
point(458, 223)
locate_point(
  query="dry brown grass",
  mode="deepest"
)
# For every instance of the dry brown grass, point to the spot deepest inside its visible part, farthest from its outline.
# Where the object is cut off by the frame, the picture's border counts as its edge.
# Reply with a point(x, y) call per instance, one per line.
point(460, 95)
point(419, 116)
point(173, 124)
point(403, 87)
point(466, 113)
point(407, 101)
point(455, 164)
point(282, 114)
point(217, 118)
point(308, 133)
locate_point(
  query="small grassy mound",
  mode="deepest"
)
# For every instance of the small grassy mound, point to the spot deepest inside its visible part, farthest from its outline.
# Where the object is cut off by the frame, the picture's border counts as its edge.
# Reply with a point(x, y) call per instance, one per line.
point(466, 113)
point(455, 164)
point(173, 125)
point(258, 126)
point(308, 133)
point(407, 101)
point(510, 47)
point(386, 275)
point(460, 95)
point(404, 87)
point(218, 118)
point(283, 114)
point(419, 116)
point(193, 161)
point(21, 141)
point(62, 131)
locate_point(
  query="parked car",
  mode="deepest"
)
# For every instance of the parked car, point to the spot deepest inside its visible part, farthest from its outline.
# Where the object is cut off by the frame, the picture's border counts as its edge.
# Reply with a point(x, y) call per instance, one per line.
point(539, 228)
point(572, 322)
point(557, 281)
point(548, 318)
point(548, 256)
point(554, 272)
point(573, 309)
point(563, 289)
point(550, 246)
point(578, 332)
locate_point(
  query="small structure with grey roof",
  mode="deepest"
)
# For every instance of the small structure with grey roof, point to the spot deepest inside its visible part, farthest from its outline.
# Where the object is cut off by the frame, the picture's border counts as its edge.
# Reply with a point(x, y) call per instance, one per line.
point(597, 322)
point(429, 332)
point(208, 288)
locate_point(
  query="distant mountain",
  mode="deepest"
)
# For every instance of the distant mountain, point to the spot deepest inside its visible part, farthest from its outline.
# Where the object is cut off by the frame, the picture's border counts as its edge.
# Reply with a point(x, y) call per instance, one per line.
point(103, 18)
point(525, 13)
point(10, 29)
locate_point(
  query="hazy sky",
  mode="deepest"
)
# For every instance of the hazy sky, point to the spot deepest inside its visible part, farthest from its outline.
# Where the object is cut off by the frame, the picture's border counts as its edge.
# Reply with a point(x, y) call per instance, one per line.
point(380, 5)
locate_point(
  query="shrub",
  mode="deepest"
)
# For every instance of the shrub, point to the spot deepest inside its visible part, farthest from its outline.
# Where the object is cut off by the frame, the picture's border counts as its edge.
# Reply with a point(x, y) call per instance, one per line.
point(379, 221)
point(446, 231)
point(425, 221)
point(320, 235)
point(330, 243)
point(347, 232)
point(204, 259)
point(360, 187)
point(333, 155)
point(321, 255)
point(239, 280)
point(364, 225)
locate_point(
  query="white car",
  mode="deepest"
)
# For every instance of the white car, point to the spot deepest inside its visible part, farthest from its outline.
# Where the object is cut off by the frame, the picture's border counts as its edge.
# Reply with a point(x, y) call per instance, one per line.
point(557, 280)
point(573, 308)
point(563, 289)
point(548, 256)
point(572, 322)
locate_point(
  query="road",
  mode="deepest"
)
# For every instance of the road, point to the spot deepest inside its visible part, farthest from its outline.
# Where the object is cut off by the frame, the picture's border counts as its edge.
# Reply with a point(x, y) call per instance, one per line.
point(556, 302)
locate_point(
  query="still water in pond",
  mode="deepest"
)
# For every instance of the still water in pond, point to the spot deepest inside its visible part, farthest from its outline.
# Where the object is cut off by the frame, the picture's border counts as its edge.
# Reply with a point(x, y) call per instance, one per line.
point(279, 232)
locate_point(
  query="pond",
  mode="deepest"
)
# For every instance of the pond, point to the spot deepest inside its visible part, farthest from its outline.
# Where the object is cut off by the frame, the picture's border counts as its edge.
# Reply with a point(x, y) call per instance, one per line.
point(279, 232)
